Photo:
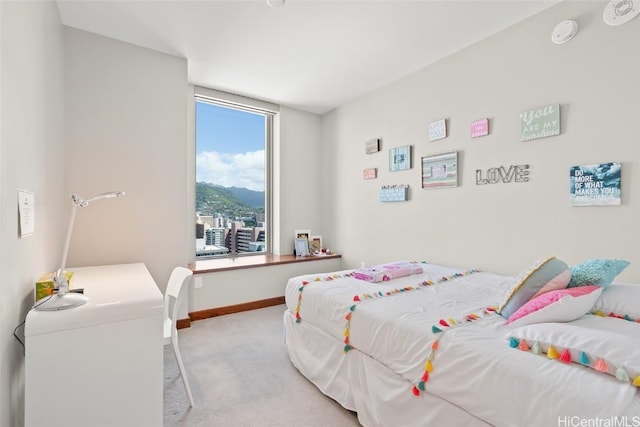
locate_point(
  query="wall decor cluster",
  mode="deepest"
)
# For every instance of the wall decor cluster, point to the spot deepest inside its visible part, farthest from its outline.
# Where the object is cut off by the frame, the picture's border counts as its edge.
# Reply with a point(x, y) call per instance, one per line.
point(515, 173)
point(438, 130)
point(394, 193)
point(400, 158)
point(479, 128)
point(372, 146)
point(440, 170)
point(595, 185)
point(540, 122)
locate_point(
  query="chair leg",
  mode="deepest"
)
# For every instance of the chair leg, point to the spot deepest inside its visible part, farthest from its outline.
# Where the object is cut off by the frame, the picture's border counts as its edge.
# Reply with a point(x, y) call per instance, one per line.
point(183, 374)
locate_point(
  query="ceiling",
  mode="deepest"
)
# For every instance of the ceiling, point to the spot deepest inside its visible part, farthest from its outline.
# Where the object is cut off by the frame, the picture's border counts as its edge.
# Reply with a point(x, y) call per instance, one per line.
point(312, 55)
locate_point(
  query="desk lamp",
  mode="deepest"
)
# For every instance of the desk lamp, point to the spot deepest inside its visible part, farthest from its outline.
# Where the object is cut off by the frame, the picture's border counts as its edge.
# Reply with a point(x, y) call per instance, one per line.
point(62, 298)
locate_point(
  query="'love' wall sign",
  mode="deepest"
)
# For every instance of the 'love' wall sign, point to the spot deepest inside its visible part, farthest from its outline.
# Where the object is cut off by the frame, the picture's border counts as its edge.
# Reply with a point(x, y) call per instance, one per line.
point(515, 173)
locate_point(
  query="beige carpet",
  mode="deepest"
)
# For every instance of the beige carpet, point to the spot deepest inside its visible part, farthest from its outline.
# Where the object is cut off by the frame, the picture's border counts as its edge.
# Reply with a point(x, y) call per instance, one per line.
point(241, 375)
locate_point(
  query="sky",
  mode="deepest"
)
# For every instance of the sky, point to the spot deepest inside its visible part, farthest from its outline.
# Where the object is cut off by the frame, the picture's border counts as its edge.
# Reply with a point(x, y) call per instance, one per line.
point(229, 147)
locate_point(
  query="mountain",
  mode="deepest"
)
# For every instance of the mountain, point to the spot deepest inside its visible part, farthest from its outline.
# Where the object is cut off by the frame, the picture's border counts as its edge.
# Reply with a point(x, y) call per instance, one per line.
point(230, 202)
point(248, 197)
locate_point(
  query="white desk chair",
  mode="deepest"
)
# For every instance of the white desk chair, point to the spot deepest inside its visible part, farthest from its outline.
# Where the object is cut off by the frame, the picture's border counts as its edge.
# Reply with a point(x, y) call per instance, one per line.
point(180, 276)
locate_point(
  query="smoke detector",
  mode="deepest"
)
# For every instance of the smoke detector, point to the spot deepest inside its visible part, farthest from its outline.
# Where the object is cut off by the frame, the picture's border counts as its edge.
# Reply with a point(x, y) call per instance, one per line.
point(564, 31)
point(619, 12)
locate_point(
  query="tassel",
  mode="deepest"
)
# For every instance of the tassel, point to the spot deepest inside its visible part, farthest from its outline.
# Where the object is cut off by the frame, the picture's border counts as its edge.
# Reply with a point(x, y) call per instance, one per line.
point(535, 348)
point(443, 323)
point(599, 313)
point(452, 321)
point(346, 340)
point(300, 288)
point(346, 332)
point(601, 366)
point(421, 385)
point(552, 353)
point(347, 348)
point(434, 345)
point(636, 382)
point(523, 345)
point(428, 366)
point(565, 356)
point(356, 298)
point(514, 342)
point(622, 375)
point(298, 320)
point(425, 377)
point(435, 329)
point(415, 391)
point(584, 359)
point(348, 316)
point(352, 308)
point(626, 317)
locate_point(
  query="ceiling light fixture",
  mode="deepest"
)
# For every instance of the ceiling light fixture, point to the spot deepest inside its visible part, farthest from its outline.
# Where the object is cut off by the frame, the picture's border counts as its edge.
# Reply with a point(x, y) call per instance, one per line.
point(619, 12)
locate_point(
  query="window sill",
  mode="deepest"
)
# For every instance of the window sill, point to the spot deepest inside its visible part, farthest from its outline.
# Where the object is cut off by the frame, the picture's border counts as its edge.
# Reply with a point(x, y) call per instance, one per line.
point(235, 263)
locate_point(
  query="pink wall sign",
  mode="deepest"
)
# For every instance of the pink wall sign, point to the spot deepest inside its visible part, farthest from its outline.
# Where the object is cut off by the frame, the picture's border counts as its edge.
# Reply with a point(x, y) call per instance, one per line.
point(479, 128)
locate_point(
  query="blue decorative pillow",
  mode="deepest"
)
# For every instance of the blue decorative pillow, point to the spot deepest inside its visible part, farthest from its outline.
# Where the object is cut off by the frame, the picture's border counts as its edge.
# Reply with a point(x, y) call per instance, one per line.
point(548, 274)
point(599, 272)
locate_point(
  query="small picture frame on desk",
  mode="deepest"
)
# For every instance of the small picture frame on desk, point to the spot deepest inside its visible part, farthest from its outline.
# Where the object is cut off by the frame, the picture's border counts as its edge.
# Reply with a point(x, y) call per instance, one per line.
point(301, 247)
point(315, 244)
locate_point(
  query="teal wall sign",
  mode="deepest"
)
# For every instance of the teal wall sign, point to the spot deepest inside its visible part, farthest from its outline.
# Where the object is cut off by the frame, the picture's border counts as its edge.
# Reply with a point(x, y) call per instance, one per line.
point(540, 122)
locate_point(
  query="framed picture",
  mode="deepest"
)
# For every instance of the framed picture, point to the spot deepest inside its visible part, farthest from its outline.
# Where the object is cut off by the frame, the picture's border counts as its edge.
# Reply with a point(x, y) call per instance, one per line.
point(540, 122)
point(371, 173)
point(400, 158)
point(595, 185)
point(438, 130)
point(440, 170)
point(301, 247)
point(315, 244)
point(372, 146)
point(302, 234)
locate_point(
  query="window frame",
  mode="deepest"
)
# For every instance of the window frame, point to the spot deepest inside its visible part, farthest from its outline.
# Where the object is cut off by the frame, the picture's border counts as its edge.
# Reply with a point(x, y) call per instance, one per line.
point(269, 111)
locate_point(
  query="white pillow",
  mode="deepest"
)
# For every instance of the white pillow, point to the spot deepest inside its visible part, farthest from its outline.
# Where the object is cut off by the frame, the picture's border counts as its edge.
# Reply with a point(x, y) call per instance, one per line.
point(621, 300)
point(606, 344)
point(563, 305)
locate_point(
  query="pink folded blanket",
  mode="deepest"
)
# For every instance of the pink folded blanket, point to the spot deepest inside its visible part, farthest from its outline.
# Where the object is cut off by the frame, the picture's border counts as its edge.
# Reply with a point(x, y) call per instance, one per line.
point(385, 272)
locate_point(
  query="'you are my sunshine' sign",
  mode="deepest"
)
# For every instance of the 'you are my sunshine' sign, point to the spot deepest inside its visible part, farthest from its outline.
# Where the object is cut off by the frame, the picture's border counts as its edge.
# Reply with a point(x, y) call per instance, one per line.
point(540, 122)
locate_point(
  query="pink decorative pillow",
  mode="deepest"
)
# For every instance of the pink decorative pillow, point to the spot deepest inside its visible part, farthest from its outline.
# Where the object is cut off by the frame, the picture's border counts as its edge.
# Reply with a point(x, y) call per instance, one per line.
point(563, 305)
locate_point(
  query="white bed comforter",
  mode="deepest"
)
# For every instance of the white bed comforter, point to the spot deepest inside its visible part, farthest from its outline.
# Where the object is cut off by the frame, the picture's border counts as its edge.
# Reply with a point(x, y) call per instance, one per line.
point(474, 368)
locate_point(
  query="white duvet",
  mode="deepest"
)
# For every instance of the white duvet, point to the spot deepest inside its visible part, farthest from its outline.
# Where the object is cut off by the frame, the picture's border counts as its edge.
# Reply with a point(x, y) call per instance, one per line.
point(474, 368)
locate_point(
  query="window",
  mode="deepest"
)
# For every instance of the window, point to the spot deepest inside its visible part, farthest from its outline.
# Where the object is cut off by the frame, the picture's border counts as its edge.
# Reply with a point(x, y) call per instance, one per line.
point(233, 175)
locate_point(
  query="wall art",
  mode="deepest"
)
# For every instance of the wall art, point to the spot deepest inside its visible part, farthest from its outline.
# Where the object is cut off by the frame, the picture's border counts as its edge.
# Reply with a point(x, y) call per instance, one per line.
point(400, 158)
point(479, 128)
point(371, 173)
point(440, 170)
point(372, 146)
point(438, 130)
point(540, 122)
point(394, 193)
point(515, 173)
point(595, 185)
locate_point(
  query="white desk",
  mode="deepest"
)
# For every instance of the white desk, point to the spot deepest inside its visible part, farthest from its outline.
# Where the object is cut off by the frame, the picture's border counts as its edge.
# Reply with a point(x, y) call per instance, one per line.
point(99, 364)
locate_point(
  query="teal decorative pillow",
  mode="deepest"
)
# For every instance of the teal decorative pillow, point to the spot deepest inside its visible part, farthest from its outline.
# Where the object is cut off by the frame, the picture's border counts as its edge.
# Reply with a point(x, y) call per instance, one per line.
point(598, 272)
point(548, 274)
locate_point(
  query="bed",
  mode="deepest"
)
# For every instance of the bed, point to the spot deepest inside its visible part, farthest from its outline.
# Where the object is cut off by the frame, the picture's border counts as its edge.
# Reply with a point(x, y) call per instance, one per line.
point(430, 348)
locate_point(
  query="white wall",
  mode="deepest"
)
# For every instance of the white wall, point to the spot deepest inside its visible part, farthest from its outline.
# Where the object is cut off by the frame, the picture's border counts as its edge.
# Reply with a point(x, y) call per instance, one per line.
point(126, 129)
point(500, 227)
point(31, 158)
